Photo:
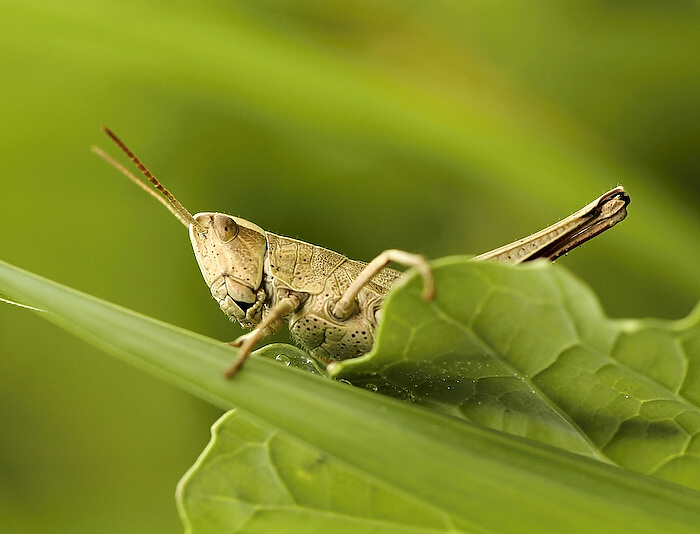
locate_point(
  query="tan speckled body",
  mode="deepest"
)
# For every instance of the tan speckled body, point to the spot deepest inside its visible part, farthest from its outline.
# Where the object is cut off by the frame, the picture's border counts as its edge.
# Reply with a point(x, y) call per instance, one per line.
point(330, 302)
point(316, 276)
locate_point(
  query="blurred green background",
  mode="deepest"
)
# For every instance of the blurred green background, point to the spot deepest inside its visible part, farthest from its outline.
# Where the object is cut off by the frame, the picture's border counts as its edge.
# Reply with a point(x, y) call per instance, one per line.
point(436, 127)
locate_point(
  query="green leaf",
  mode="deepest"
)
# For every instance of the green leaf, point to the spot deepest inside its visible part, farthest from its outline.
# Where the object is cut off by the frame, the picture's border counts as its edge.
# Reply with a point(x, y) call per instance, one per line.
point(290, 356)
point(252, 476)
point(448, 467)
point(529, 351)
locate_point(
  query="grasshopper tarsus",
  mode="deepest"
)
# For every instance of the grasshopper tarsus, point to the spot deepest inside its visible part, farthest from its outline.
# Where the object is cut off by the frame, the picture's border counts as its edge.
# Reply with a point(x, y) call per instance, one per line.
point(245, 344)
point(232, 370)
point(428, 293)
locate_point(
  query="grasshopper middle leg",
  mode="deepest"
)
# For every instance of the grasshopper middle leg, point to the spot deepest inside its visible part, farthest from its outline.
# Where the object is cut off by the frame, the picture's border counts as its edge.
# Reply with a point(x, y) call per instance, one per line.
point(344, 307)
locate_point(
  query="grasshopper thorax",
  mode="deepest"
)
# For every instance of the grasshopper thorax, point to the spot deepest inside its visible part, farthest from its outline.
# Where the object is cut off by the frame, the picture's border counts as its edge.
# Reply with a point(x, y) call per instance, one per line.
point(231, 255)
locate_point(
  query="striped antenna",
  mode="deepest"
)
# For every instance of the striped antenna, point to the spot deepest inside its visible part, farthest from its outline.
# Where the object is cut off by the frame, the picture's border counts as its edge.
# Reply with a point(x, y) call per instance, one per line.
point(167, 198)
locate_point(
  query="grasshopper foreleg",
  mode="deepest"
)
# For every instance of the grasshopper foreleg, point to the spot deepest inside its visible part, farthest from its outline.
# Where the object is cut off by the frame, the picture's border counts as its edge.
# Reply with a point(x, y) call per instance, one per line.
point(345, 306)
point(271, 323)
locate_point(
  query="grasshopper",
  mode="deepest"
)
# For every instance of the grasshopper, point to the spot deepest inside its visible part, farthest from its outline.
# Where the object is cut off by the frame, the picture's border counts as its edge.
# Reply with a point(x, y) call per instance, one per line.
point(332, 304)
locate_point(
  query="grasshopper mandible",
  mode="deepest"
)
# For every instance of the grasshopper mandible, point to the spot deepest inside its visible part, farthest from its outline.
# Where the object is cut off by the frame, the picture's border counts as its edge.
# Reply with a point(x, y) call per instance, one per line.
point(331, 303)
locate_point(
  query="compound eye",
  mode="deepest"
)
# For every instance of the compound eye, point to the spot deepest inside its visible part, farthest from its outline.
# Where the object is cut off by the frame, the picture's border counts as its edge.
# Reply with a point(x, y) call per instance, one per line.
point(225, 227)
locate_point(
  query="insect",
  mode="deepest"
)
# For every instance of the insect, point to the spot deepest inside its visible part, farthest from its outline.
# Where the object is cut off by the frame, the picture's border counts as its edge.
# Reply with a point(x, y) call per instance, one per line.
point(332, 304)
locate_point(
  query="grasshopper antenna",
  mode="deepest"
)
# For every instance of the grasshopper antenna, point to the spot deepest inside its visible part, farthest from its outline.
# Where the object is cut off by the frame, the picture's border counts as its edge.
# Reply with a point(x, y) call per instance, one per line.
point(168, 200)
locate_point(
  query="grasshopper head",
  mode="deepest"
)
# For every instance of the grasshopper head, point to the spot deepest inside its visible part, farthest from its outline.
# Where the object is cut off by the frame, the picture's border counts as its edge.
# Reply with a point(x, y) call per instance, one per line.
point(231, 254)
point(230, 251)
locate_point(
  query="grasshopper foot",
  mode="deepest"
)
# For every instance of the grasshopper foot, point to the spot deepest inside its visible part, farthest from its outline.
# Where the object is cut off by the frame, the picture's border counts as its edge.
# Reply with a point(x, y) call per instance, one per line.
point(245, 344)
point(428, 292)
